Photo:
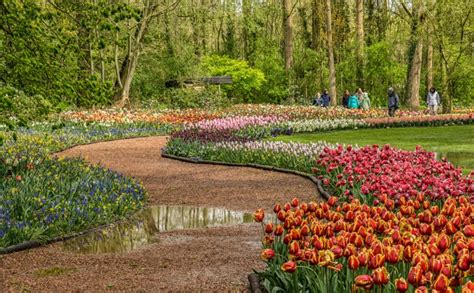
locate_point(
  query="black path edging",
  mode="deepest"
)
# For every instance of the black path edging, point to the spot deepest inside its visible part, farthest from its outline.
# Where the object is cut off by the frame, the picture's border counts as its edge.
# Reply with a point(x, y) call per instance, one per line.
point(313, 179)
point(254, 283)
point(34, 243)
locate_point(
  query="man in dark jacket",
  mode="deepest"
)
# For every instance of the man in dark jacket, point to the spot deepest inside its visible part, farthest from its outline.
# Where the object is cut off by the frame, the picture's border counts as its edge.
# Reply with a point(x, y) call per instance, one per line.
point(326, 98)
point(393, 101)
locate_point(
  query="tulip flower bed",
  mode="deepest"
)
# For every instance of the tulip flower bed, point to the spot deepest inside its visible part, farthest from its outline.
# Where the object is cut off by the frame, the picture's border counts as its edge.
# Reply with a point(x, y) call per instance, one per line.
point(409, 121)
point(350, 247)
point(293, 156)
point(372, 173)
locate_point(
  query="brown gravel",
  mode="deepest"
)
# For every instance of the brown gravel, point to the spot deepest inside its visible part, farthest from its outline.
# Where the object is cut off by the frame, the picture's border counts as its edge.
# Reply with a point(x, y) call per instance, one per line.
point(208, 259)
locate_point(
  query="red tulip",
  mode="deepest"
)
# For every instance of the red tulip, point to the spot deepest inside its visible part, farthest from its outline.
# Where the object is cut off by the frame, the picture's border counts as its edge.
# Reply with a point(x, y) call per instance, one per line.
point(269, 228)
point(267, 254)
point(294, 248)
point(469, 230)
point(353, 262)
point(441, 283)
point(259, 215)
point(468, 287)
point(464, 262)
point(376, 261)
point(414, 275)
point(380, 276)
point(364, 281)
point(277, 208)
point(421, 289)
point(401, 285)
point(294, 202)
point(289, 267)
point(393, 255)
point(278, 230)
point(332, 200)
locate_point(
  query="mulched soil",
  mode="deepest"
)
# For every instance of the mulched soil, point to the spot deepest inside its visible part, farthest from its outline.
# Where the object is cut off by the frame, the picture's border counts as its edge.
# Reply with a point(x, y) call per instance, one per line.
point(207, 259)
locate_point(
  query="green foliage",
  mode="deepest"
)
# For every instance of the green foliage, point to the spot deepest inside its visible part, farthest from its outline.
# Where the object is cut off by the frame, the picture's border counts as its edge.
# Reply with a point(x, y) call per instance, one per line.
point(383, 71)
point(246, 80)
point(17, 108)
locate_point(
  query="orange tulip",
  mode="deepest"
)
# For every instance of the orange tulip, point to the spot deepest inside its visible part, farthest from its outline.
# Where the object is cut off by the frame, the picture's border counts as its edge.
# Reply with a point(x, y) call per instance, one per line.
point(289, 267)
point(364, 281)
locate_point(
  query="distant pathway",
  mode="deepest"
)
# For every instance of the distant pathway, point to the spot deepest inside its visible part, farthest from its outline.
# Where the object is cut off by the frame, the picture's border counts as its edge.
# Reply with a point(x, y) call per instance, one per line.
point(208, 259)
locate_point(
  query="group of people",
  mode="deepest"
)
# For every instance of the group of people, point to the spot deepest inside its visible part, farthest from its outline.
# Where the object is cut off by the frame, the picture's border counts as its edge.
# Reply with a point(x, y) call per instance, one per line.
point(360, 100)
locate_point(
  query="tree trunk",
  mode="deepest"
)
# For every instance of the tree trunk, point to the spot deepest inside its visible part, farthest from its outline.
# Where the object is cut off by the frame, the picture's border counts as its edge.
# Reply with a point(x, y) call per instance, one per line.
point(129, 64)
point(360, 42)
point(287, 35)
point(332, 69)
point(413, 84)
point(316, 25)
point(429, 63)
point(446, 97)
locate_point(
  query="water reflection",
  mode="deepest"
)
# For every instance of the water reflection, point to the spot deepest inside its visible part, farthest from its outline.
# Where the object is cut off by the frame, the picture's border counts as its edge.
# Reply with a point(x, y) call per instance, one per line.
point(464, 160)
point(131, 235)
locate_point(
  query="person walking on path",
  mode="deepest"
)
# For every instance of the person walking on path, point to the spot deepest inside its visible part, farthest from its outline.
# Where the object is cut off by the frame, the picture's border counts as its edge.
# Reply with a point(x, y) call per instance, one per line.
point(393, 101)
point(345, 98)
point(353, 102)
point(433, 101)
point(326, 98)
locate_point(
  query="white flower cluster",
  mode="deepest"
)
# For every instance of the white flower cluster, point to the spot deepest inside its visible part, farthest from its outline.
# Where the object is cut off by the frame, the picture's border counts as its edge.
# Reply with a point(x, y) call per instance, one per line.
point(291, 148)
point(313, 125)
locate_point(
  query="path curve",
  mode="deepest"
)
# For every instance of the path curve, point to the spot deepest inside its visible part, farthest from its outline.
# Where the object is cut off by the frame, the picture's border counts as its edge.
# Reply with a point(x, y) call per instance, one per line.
point(208, 259)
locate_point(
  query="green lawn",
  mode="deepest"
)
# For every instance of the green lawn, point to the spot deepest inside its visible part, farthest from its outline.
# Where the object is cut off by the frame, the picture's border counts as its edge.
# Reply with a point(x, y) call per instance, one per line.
point(454, 142)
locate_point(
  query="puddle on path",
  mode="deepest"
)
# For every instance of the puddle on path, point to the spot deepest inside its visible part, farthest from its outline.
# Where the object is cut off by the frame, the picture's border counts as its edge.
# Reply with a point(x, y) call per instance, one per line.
point(141, 231)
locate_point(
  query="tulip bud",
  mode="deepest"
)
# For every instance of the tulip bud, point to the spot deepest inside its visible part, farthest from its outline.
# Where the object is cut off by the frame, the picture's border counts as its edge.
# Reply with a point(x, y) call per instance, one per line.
point(392, 255)
point(332, 201)
point(414, 275)
point(289, 267)
point(364, 281)
point(267, 254)
point(401, 285)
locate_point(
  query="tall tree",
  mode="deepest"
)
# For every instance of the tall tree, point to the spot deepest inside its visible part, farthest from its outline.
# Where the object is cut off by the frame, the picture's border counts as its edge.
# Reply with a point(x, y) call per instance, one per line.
point(287, 34)
point(415, 53)
point(360, 68)
point(332, 68)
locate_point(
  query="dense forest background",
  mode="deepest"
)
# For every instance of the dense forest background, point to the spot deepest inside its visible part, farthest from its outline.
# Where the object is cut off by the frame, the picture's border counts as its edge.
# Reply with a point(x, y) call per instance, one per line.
point(57, 54)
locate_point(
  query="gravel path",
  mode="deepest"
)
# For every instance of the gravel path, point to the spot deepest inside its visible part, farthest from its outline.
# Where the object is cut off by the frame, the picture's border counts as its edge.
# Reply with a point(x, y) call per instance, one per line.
point(207, 259)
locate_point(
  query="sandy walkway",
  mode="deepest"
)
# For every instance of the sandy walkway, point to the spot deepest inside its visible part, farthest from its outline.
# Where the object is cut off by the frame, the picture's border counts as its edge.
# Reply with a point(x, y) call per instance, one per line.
point(209, 259)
